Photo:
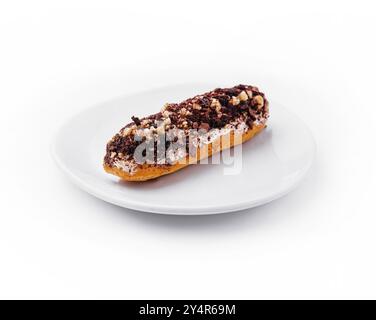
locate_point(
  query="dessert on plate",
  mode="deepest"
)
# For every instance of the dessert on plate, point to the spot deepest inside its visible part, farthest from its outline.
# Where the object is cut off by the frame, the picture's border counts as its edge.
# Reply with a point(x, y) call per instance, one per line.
point(185, 133)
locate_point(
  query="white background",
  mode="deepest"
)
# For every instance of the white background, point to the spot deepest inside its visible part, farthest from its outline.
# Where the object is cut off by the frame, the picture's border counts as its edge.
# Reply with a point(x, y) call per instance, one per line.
point(317, 58)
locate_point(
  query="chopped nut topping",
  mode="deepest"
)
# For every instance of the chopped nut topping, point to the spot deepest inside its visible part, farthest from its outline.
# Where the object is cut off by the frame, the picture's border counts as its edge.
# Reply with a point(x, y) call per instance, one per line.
point(183, 111)
point(196, 106)
point(250, 94)
point(164, 107)
point(113, 154)
point(259, 100)
point(215, 104)
point(127, 131)
point(145, 122)
point(167, 121)
point(243, 96)
point(234, 101)
point(166, 113)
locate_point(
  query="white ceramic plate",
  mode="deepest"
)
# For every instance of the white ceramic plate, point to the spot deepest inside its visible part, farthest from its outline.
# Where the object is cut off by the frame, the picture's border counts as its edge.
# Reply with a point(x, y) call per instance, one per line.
point(273, 162)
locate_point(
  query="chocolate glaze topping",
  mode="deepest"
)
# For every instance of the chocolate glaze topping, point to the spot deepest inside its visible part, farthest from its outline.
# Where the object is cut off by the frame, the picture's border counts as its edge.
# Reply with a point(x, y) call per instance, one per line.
point(211, 110)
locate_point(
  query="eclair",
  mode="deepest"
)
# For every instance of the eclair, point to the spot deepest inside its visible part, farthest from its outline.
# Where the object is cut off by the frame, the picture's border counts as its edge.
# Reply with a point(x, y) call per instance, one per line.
point(185, 133)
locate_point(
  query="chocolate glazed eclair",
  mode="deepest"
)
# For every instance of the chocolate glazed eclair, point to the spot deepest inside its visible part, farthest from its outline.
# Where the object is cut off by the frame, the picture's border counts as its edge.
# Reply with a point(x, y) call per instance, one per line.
point(184, 133)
